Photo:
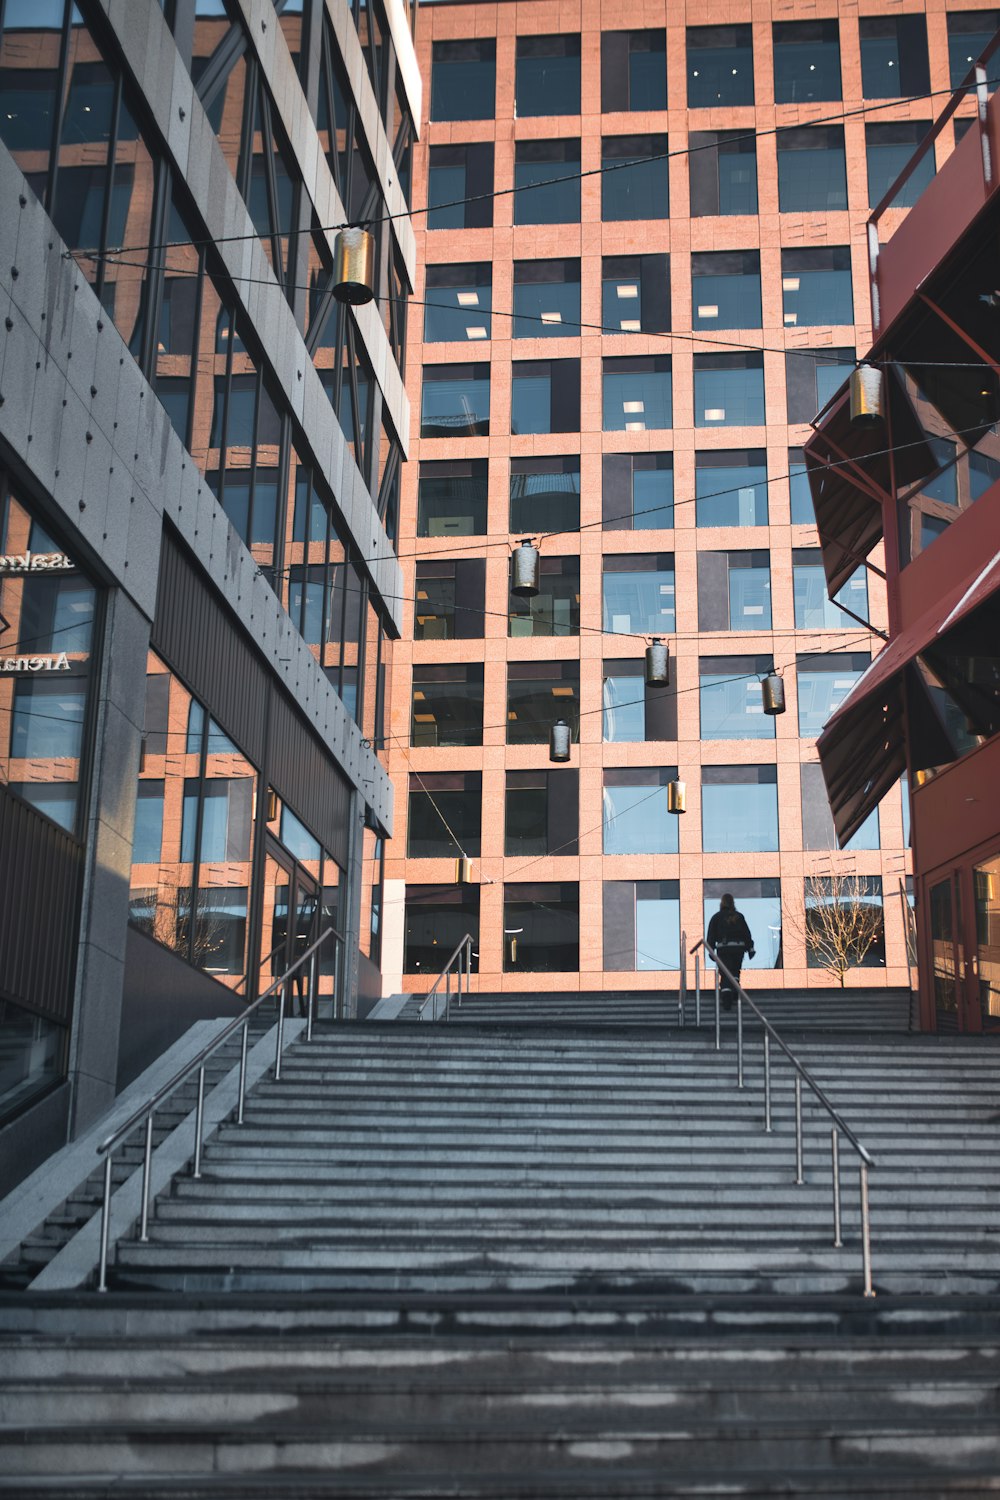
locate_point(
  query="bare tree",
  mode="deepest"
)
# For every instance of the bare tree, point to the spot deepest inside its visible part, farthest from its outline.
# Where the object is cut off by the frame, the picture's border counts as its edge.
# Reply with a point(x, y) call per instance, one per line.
point(164, 912)
point(842, 921)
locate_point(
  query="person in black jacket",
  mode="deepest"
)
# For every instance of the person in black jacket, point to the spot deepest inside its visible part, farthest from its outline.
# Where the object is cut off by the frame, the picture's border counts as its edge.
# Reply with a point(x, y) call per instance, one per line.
point(729, 935)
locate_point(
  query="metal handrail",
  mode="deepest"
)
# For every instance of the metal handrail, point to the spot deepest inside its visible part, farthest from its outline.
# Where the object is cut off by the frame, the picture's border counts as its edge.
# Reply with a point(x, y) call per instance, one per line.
point(464, 949)
point(147, 1111)
point(802, 1074)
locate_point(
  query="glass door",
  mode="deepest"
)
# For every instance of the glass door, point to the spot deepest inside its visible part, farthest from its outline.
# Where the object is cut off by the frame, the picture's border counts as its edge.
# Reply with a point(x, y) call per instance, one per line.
point(946, 965)
point(291, 905)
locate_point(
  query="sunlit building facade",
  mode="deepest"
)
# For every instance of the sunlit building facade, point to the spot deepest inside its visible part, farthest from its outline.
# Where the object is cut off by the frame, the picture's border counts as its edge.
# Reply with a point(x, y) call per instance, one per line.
point(643, 272)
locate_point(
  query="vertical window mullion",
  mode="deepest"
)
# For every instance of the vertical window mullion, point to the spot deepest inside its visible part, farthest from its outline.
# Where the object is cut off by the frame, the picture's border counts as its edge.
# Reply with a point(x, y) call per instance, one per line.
point(52, 185)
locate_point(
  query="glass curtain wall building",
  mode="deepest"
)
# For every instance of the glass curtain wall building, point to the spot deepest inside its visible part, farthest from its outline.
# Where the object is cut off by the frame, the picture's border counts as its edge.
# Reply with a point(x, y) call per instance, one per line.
point(694, 308)
point(201, 453)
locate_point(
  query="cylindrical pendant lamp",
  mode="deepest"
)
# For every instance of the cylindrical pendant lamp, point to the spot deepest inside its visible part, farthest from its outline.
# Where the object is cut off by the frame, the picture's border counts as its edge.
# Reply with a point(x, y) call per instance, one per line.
point(354, 266)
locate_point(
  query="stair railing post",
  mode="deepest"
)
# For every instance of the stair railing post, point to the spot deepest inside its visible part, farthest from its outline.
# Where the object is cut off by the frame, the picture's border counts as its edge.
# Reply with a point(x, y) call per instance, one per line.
point(718, 1018)
point(682, 991)
point(311, 997)
point(468, 968)
point(102, 1270)
point(447, 995)
point(199, 1123)
point(279, 1042)
point(243, 1073)
point(866, 1232)
point(799, 1175)
point(147, 1164)
point(835, 1155)
point(697, 989)
point(767, 1082)
point(739, 1040)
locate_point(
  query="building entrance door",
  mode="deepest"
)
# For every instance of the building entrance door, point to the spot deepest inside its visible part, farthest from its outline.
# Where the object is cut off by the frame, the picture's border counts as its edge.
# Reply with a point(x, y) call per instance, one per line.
point(291, 910)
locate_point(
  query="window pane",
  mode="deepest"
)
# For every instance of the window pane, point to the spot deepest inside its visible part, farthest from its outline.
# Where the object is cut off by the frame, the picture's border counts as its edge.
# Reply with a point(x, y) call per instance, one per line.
point(812, 175)
point(447, 705)
point(739, 812)
point(728, 390)
point(722, 168)
point(657, 932)
point(541, 928)
point(816, 286)
point(637, 393)
point(445, 815)
point(652, 496)
point(725, 290)
point(545, 162)
point(451, 499)
point(544, 494)
point(749, 597)
point(436, 918)
point(639, 190)
point(893, 56)
point(638, 600)
point(806, 61)
point(719, 66)
point(463, 80)
point(546, 299)
point(731, 493)
point(539, 694)
point(889, 148)
point(823, 684)
point(800, 495)
point(555, 609)
point(636, 819)
point(547, 76)
point(760, 903)
point(624, 711)
point(458, 304)
point(969, 32)
point(455, 401)
point(814, 610)
point(732, 704)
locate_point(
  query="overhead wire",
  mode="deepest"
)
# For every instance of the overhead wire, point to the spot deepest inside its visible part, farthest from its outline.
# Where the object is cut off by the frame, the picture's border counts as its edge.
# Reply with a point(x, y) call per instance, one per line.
point(737, 137)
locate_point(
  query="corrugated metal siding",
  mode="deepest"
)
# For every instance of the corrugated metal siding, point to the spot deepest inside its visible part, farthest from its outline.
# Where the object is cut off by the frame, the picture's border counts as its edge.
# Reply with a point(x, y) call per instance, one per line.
point(302, 773)
point(196, 636)
point(41, 881)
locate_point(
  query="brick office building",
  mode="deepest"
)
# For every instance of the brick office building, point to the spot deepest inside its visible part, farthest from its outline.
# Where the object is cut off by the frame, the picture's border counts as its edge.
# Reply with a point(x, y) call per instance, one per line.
point(624, 366)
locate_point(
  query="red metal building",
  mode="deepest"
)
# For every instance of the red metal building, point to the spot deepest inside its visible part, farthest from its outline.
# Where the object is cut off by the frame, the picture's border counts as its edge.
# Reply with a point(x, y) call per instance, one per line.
point(924, 475)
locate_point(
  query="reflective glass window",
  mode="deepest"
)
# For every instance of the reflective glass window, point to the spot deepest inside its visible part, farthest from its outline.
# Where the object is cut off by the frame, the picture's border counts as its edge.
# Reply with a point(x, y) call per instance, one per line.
point(547, 76)
point(812, 171)
point(729, 390)
point(555, 609)
point(447, 704)
point(458, 302)
point(538, 694)
point(731, 698)
point(734, 590)
point(641, 925)
point(542, 814)
point(541, 928)
point(541, 198)
point(799, 493)
point(889, 147)
point(632, 709)
point(544, 494)
point(806, 61)
point(725, 289)
point(739, 809)
point(760, 903)
point(545, 396)
point(435, 919)
point(463, 79)
point(814, 609)
point(823, 684)
point(719, 66)
point(633, 70)
point(635, 178)
point(450, 599)
point(635, 293)
point(969, 33)
point(722, 171)
point(638, 393)
point(816, 286)
point(817, 820)
point(546, 299)
point(451, 498)
point(638, 491)
point(455, 401)
point(445, 815)
point(844, 923)
point(636, 817)
point(638, 593)
point(731, 487)
point(812, 377)
point(894, 61)
point(459, 184)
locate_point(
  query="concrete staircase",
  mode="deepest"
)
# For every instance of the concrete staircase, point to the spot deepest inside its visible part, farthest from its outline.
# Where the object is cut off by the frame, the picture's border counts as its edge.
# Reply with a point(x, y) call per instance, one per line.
point(854, 1010)
point(501, 1262)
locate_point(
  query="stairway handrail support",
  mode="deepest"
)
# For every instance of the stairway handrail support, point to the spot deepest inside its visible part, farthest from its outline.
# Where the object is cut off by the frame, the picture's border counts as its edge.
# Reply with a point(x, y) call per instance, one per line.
point(146, 1111)
point(802, 1073)
point(462, 953)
